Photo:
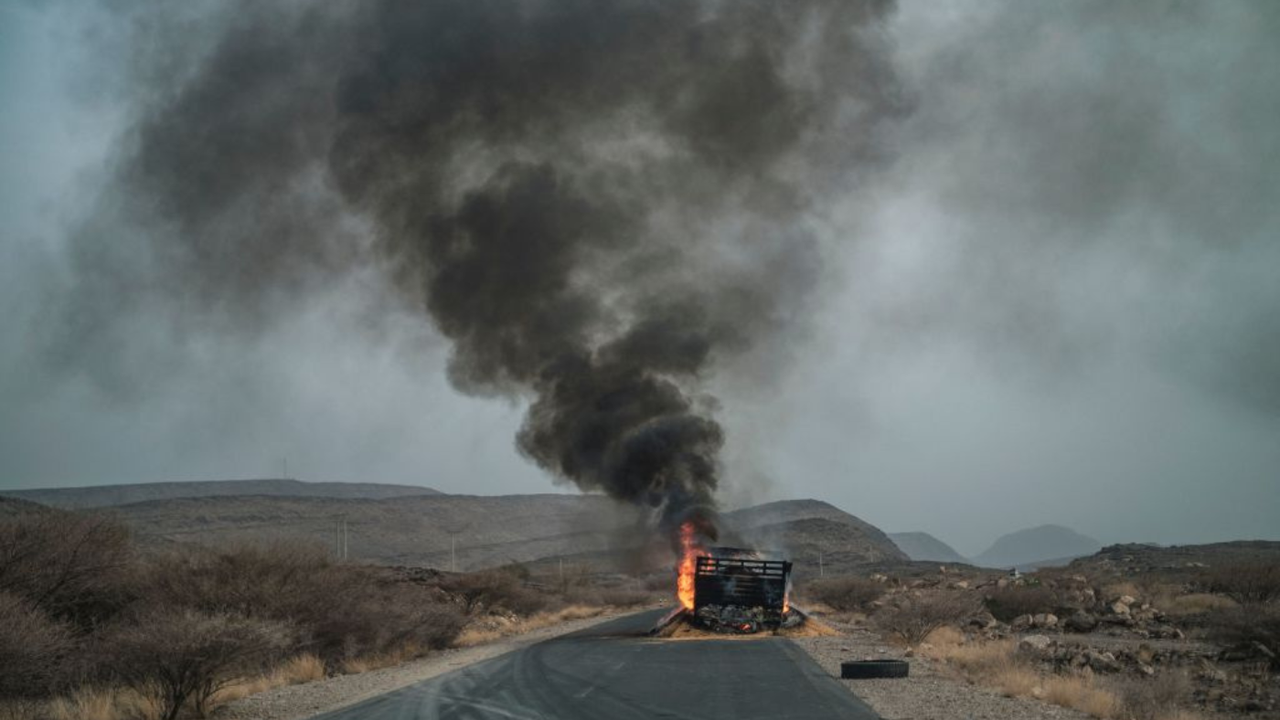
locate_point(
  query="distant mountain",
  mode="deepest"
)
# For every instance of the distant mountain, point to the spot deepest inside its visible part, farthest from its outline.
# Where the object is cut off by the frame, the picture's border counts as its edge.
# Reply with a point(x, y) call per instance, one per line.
point(13, 507)
point(485, 531)
point(811, 533)
point(426, 530)
point(111, 495)
point(923, 546)
point(1037, 547)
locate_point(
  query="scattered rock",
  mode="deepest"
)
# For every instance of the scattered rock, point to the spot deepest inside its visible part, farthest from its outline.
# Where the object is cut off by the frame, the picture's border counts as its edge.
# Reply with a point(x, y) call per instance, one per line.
point(1044, 620)
point(1103, 662)
point(1037, 644)
point(1081, 622)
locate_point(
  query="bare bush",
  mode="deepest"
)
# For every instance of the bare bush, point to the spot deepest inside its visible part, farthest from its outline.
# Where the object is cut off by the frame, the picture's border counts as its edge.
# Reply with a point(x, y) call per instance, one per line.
point(1246, 583)
point(623, 597)
point(1012, 601)
point(1152, 698)
point(494, 588)
point(33, 650)
point(911, 619)
point(187, 656)
point(342, 611)
point(845, 593)
point(74, 567)
point(1254, 629)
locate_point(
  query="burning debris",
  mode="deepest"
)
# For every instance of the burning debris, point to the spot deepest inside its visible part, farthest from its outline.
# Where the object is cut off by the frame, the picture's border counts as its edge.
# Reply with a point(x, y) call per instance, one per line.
point(730, 590)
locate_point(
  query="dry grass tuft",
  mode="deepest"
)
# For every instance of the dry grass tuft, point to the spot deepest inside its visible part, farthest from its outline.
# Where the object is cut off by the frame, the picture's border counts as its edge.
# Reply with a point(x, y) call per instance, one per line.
point(103, 704)
point(1197, 604)
point(1083, 694)
point(295, 671)
point(479, 636)
point(996, 664)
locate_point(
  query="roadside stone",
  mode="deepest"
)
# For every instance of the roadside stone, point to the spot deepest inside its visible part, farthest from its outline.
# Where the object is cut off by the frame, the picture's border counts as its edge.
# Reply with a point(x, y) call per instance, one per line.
point(1022, 622)
point(1036, 644)
point(1081, 622)
point(1103, 662)
point(1119, 608)
point(1044, 620)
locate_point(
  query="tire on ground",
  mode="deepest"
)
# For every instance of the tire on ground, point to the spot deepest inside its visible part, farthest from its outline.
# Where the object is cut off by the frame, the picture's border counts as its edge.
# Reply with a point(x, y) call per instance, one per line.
point(867, 669)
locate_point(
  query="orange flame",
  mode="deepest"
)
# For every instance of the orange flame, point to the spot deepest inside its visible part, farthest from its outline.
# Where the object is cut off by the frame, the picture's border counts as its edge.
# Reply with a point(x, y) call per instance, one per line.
point(689, 550)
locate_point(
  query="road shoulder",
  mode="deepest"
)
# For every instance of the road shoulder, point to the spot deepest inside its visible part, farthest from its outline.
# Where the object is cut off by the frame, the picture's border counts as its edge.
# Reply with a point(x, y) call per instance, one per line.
point(299, 702)
point(928, 694)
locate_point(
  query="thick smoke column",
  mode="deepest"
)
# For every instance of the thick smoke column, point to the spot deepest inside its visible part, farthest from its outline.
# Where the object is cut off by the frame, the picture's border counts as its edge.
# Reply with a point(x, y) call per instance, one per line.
point(597, 203)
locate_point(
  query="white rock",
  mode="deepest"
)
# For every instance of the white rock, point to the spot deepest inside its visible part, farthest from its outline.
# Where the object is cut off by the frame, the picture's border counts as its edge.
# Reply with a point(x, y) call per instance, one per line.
point(1035, 643)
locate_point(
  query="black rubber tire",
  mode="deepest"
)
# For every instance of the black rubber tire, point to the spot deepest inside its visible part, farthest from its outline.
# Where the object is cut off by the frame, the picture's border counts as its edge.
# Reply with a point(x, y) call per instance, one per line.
point(868, 669)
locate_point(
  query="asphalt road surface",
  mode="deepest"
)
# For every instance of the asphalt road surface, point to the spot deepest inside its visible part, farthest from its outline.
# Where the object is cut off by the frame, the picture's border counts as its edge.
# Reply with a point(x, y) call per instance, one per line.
point(613, 672)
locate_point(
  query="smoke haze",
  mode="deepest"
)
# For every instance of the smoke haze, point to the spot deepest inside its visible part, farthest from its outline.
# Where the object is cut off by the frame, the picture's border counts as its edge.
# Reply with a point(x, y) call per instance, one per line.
point(1014, 258)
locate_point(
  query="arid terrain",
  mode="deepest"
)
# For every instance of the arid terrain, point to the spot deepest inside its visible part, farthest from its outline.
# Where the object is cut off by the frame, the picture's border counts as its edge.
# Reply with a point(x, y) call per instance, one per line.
point(100, 603)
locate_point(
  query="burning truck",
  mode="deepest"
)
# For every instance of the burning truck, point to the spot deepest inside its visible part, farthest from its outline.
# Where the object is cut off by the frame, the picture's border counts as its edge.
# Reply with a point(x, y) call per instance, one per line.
point(731, 590)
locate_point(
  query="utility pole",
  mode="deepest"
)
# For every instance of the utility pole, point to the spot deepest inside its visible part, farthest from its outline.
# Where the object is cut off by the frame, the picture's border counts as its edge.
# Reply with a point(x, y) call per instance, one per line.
point(284, 468)
point(819, 563)
point(344, 538)
point(454, 529)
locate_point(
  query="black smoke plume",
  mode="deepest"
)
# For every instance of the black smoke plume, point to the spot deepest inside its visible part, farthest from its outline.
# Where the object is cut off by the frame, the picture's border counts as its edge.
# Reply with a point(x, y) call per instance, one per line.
point(599, 204)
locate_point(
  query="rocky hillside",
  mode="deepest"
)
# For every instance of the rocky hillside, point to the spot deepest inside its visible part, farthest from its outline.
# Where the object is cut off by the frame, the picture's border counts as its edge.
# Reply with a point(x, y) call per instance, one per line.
point(923, 546)
point(1041, 546)
point(111, 495)
point(436, 530)
point(811, 531)
point(481, 531)
point(1133, 559)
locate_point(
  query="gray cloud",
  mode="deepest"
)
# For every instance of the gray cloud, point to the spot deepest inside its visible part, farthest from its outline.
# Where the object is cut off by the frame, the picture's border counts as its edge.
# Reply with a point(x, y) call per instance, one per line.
point(1060, 305)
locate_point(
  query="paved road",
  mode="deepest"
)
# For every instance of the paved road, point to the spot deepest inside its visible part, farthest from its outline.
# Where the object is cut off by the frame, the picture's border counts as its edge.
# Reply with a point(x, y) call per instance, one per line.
point(613, 672)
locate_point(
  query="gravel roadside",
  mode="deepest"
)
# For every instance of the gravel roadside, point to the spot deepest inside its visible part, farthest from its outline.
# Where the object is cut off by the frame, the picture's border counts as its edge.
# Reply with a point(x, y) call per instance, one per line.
point(928, 694)
point(298, 702)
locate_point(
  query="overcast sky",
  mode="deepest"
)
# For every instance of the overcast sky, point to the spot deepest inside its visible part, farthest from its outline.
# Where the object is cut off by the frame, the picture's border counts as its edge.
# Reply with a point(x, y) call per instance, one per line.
point(1059, 303)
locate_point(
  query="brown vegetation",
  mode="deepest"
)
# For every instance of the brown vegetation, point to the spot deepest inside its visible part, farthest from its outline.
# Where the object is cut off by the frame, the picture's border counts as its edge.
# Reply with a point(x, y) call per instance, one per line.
point(92, 629)
point(1012, 601)
point(847, 594)
point(1248, 583)
point(911, 618)
point(1253, 630)
point(184, 654)
point(998, 664)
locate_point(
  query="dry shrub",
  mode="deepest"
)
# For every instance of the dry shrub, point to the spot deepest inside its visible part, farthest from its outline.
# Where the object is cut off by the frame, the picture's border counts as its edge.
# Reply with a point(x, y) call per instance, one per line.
point(33, 650)
point(89, 703)
point(1195, 604)
point(913, 618)
point(342, 611)
point(1252, 583)
point(1118, 589)
point(623, 597)
point(70, 566)
point(1081, 693)
point(1010, 602)
point(1154, 698)
point(997, 664)
point(490, 589)
point(294, 671)
point(481, 635)
point(188, 656)
point(946, 636)
point(845, 594)
point(1250, 628)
